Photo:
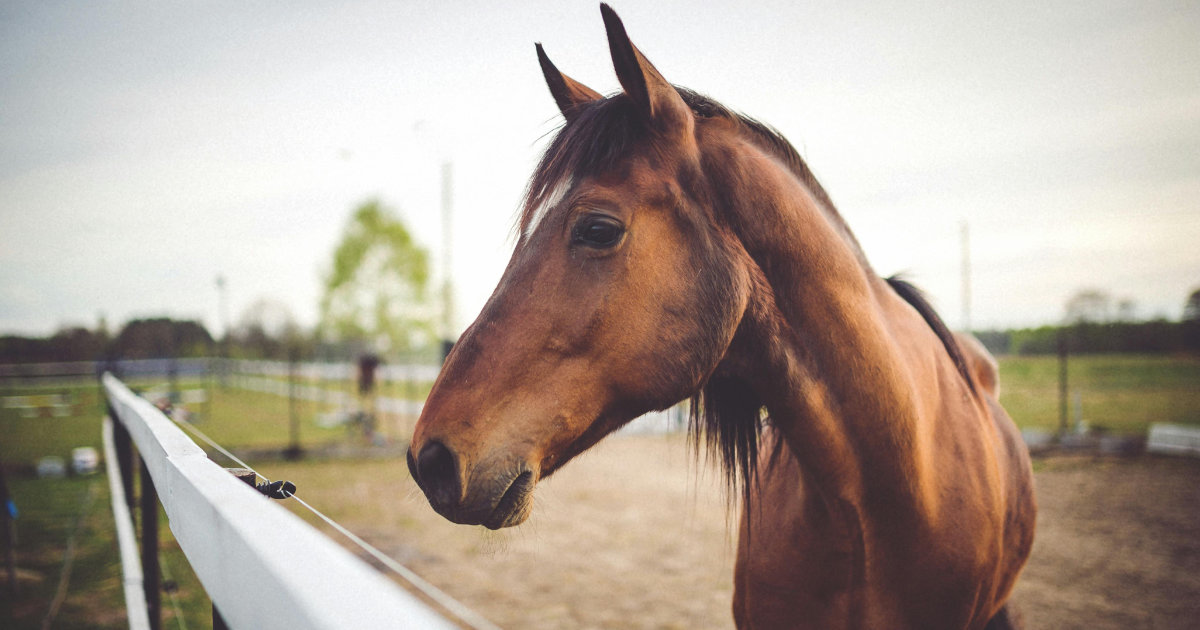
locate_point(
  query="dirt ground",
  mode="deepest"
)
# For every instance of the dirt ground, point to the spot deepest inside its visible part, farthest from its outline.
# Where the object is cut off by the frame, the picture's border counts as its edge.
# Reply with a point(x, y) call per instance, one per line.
point(635, 534)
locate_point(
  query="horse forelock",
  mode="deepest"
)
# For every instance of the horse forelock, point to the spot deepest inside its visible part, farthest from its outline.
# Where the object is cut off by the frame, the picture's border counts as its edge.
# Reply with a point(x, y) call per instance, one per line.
point(604, 132)
point(595, 140)
point(599, 138)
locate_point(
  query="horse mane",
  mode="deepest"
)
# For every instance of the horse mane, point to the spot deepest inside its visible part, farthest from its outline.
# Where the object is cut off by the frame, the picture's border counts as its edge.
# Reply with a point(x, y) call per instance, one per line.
point(725, 411)
point(917, 300)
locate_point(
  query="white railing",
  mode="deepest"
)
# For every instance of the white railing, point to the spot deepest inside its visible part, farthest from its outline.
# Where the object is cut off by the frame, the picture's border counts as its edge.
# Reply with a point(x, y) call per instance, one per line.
point(38, 373)
point(262, 566)
point(337, 371)
point(131, 565)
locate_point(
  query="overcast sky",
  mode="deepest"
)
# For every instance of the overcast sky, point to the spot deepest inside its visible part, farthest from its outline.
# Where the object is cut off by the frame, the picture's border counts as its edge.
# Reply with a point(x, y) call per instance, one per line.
point(145, 150)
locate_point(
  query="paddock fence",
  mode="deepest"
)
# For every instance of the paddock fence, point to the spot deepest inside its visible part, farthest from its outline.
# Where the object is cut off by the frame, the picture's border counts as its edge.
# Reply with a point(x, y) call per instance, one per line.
point(262, 566)
point(192, 381)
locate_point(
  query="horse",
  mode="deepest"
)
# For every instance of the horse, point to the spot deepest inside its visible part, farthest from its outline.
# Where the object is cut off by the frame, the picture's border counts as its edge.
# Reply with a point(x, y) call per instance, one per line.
point(670, 249)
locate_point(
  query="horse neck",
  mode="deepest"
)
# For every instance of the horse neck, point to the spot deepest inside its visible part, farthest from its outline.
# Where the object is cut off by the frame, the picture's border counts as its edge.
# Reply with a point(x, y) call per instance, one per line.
point(818, 341)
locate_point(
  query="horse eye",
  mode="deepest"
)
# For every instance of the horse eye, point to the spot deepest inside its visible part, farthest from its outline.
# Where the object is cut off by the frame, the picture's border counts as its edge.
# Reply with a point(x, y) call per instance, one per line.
point(597, 231)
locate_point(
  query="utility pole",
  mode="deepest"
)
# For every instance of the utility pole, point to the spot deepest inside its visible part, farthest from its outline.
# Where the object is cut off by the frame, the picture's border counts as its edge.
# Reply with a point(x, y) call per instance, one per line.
point(223, 344)
point(447, 240)
point(966, 277)
point(1063, 354)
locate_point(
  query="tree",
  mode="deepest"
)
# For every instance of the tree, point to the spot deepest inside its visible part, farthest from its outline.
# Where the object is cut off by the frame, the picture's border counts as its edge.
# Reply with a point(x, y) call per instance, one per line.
point(1126, 310)
point(267, 329)
point(161, 338)
point(1191, 309)
point(1089, 306)
point(376, 290)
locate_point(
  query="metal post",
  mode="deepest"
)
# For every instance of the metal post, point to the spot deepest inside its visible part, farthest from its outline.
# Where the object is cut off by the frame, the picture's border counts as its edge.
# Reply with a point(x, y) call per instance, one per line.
point(410, 395)
point(151, 574)
point(966, 277)
point(1062, 380)
point(223, 344)
point(293, 451)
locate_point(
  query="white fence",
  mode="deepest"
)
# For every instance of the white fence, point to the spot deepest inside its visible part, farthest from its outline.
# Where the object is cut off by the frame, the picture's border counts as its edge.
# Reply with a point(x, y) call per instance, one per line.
point(37, 374)
point(262, 566)
point(1173, 439)
point(339, 398)
point(345, 371)
point(131, 565)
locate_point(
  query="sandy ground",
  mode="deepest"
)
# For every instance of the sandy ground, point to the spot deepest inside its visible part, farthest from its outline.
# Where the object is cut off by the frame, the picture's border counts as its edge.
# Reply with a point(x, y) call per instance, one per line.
point(635, 535)
point(1118, 545)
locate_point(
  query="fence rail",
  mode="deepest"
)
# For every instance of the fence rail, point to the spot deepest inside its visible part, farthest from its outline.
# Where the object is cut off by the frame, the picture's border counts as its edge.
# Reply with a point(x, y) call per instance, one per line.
point(202, 366)
point(131, 566)
point(262, 566)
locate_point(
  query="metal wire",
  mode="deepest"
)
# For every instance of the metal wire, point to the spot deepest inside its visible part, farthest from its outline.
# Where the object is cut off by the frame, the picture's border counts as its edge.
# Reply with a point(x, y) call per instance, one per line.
point(166, 569)
point(64, 576)
point(451, 605)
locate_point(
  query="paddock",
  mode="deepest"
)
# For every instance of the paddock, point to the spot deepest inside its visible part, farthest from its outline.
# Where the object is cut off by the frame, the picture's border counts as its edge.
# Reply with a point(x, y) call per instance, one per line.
point(634, 534)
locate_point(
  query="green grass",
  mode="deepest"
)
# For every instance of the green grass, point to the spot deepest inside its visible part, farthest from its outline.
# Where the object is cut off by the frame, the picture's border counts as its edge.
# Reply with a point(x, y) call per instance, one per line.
point(1121, 393)
point(236, 418)
point(239, 418)
point(24, 440)
point(403, 390)
point(50, 510)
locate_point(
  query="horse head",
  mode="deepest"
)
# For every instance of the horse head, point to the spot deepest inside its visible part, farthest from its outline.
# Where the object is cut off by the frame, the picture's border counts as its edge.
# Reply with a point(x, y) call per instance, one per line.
point(621, 297)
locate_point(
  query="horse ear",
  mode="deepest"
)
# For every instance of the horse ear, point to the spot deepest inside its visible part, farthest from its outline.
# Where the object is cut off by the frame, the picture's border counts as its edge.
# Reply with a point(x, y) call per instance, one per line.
point(567, 92)
point(658, 99)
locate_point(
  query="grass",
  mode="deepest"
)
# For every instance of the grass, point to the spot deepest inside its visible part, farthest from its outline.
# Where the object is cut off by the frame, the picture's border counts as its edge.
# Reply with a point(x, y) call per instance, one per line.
point(1121, 393)
point(237, 418)
point(50, 508)
point(51, 511)
point(27, 439)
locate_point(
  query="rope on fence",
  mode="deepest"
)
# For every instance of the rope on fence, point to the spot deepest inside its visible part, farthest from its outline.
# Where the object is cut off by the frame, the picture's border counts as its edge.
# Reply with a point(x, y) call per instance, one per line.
point(451, 605)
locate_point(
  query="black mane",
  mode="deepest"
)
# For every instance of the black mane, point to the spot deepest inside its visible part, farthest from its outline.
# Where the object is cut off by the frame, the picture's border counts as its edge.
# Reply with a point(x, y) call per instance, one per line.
point(597, 139)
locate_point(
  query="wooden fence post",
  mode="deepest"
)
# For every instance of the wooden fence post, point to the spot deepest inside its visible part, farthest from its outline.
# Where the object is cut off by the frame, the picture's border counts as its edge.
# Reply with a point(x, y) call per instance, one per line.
point(151, 574)
point(123, 445)
point(10, 536)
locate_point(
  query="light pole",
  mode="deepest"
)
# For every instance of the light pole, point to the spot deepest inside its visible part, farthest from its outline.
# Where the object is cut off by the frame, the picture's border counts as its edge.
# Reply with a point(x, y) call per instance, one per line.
point(223, 344)
point(447, 240)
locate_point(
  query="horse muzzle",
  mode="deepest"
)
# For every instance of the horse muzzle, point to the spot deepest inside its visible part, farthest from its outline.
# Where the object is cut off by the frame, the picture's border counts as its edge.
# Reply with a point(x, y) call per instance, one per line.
point(495, 496)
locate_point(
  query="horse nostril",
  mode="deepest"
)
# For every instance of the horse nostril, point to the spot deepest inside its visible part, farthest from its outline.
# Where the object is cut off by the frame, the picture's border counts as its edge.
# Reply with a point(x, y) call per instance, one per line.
point(412, 465)
point(438, 475)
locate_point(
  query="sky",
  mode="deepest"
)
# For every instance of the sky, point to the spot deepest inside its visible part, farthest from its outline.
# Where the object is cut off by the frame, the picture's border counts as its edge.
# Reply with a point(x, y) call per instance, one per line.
point(146, 149)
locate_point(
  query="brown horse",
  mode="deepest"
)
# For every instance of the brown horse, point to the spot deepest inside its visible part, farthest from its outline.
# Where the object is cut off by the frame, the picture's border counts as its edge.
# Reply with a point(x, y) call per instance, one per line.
point(669, 248)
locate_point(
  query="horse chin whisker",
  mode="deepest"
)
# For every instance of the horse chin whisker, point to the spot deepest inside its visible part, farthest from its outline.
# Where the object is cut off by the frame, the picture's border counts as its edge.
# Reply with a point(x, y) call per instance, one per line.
point(515, 504)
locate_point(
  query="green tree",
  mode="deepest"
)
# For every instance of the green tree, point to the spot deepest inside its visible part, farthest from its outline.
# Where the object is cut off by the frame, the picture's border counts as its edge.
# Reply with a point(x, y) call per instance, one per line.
point(1191, 309)
point(267, 330)
point(162, 338)
point(1089, 306)
point(376, 294)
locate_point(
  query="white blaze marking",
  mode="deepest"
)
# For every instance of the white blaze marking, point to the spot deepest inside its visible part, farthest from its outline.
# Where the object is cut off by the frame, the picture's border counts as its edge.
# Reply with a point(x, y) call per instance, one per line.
point(553, 199)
